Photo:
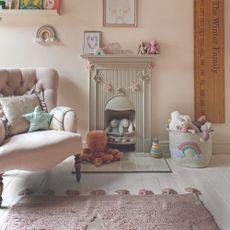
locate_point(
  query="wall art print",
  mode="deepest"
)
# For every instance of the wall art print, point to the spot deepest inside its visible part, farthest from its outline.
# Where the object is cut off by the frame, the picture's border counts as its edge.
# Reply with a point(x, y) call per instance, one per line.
point(119, 13)
point(92, 40)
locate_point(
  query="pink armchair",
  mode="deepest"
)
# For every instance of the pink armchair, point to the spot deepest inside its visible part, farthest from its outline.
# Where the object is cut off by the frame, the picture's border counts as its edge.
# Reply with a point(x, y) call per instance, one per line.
point(41, 150)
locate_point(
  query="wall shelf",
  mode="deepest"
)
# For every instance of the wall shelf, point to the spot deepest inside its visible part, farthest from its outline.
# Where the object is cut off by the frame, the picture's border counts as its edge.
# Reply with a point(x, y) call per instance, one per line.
point(16, 12)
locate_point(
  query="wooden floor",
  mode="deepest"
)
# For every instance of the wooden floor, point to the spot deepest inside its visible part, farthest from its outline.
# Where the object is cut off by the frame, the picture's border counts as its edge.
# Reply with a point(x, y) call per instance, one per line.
point(213, 182)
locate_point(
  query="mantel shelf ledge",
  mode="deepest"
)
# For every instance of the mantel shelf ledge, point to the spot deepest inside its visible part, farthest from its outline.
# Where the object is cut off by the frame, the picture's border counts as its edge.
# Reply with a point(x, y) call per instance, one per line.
point(119, 58)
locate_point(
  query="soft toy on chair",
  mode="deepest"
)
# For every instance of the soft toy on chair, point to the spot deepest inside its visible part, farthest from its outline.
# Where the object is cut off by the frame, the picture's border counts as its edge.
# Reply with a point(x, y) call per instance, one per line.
point(97, 153)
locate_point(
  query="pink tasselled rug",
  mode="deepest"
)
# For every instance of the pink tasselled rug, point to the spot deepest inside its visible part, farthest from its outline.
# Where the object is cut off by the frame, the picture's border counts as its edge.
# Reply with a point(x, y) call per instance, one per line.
point(110, 212)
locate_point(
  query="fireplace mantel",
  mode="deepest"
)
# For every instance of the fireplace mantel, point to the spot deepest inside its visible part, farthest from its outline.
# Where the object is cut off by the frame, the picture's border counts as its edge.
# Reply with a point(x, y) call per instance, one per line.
point(120, 59)
point(129, 75)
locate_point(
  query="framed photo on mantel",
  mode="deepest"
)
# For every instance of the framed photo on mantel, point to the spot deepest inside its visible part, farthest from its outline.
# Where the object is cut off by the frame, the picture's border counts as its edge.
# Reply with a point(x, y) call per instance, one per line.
point(120, 13)
point(92, 40)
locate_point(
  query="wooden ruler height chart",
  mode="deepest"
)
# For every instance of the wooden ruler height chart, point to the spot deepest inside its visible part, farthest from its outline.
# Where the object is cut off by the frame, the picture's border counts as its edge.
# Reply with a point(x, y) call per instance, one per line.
point(209, 59)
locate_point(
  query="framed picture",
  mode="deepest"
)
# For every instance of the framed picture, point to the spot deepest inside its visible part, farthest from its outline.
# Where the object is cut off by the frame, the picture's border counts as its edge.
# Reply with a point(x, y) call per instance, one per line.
point(120, 13)
point(92, 41)
point(30, 4)
point(52, 5)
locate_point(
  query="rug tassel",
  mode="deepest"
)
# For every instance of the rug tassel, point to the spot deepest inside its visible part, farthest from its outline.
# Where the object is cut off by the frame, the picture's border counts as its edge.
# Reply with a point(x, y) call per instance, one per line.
point(145, 192)
point(72, 192)
point(98, 192)
point(49, 192)
point(193, 190)
point(168, 191)
point(25, 192)
point(122, 192)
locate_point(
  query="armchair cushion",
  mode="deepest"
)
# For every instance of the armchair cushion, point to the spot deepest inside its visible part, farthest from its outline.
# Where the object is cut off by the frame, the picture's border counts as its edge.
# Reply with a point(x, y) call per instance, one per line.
point(14, 107)
point(38, 119)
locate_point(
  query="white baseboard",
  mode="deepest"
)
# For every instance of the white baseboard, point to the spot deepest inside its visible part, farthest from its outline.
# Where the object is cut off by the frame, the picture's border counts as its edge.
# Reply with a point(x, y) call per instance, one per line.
point(217, 148)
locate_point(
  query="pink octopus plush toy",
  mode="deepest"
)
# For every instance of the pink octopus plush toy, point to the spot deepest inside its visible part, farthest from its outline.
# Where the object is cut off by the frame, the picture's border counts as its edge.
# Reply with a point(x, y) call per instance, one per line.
point(96, 152)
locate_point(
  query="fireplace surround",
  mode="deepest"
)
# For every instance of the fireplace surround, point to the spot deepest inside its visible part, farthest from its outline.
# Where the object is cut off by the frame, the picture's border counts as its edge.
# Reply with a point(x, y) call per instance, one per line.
point(120, 91)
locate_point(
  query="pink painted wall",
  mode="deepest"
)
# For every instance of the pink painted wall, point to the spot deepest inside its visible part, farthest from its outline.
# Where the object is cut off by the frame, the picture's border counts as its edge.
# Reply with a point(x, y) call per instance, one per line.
point(169, 22)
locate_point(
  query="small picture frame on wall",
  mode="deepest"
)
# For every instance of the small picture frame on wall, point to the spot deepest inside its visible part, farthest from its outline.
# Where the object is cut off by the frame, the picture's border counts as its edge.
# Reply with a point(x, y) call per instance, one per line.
point(52, 5)
point(31, 4)
point(92, 41)
point(120, 13)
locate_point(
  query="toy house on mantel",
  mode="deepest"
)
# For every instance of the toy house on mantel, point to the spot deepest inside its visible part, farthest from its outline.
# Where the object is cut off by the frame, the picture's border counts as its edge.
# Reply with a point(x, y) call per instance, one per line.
point(120, 88)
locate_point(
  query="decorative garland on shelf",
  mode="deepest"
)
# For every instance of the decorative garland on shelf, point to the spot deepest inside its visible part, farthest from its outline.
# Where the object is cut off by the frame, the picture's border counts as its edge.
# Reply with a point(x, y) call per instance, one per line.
point(142, 76)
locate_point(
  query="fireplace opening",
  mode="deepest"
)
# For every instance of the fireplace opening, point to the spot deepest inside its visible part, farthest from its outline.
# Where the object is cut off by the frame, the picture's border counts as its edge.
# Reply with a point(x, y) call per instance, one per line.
point(119, 123)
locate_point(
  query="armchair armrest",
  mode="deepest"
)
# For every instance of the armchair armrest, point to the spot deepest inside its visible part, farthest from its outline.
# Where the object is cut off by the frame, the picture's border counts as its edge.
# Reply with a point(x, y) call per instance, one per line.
point(64, 118)
point(2, 132)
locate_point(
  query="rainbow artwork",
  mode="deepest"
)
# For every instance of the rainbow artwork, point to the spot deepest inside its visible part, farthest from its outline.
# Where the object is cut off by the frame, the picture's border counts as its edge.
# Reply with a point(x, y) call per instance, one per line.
point(189, 148)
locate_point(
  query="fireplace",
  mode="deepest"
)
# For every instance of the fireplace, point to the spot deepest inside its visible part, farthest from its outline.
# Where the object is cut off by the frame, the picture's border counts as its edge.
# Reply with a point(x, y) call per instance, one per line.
point(120, 123)
point(120, 90)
